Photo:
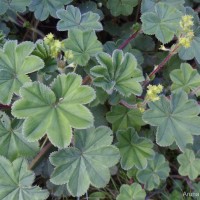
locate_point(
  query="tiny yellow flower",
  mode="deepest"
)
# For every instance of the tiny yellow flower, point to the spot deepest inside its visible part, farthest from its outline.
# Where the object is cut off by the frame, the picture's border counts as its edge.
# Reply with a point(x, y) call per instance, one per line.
point(48, 38)
point(185, 42)
point(153, 91)
point(57, 44)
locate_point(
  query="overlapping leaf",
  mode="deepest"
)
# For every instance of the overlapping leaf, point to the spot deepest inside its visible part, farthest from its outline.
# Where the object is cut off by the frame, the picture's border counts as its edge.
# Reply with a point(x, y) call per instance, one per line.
point(194, 50)
point(12, 142)
point(189, 165)
point(149, 5)
point(54, 111)
point(15, 5)
point(185, 78)
point(87, 162)
point(118, 72)
point(134, 150)
point(177, 119)
point(15, 63)
point(121, 7)
point(16, 181)
point(72, 18)
point(156, 171)
point(43, 8)
point(121, 118)
point(163, 22)
point(131, 192)
point(83, 44)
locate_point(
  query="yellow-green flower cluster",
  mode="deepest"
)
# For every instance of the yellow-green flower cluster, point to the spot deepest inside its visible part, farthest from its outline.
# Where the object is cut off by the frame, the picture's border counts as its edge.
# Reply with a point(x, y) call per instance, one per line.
point(69, 55)
point(153, 91)
point(54, 45)
point(187, 33)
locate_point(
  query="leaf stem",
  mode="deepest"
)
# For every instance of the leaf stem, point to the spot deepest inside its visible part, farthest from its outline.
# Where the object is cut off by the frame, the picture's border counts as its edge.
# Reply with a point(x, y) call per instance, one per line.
point(162, 64)
point(128, 40)
point(37, 159)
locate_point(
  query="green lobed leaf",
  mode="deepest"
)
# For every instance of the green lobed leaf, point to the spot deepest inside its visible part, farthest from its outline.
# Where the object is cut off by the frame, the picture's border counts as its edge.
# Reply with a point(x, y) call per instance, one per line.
point(121, 118)
point(16, 181)
point(15, 63)
point(83, 44)
point(15, 5)
point(131, 192)
point(121, 7)
point(176, 119)
point(12, 143)
point(134, 150)
point(185, 78)
point(43, 8)
point(149, 5)
point(163, 22)
point(189, 165)
point(54, 111)
point(118, 72)
point(156, 171)
point(72, 18)
point(86, 163)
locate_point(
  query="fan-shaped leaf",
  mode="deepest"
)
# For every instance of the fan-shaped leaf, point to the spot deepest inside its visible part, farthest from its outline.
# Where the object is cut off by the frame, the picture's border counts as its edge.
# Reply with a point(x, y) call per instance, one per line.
point(185, 78)
point(54, 111)
point(177, 119)
point(149, 5)
point(121, 7)
point(43, 8)
point(83, 44)
point(72, 18)
point(134, 150)
point(118, 72)
point(87, 162)
point(12, 143)
point(131, 192)
point(15, 5)
point(15, 63)
point(121, 118)
point(163, 22)
point(156, 171)
point(189, 165)
point(16, 181)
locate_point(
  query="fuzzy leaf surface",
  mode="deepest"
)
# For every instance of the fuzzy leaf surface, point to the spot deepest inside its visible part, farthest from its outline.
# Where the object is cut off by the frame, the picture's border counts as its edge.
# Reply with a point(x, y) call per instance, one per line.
point(119, 72)
point(121, 7)
point(12, 142)
point(149, 5)
point(16, 181)
point(156, 171)
point(72, 18)
point(15, 63)
point(15, 5)
point(54, 111)
point(176, 119)
point(121, 118)
point(185, 78)
point(43, 8)
point(131, 192)
point(134, 150)
point(86, 163)
point(163, 22)
point(189, 165)
point(83, 44)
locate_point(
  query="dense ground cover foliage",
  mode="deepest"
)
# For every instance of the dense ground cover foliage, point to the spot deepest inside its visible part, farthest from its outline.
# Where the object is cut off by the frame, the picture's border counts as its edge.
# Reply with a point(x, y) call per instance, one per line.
point(99, 99)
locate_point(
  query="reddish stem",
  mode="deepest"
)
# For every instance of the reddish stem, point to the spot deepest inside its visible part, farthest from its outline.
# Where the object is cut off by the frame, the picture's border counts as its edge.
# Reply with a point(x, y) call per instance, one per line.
point(5, 106)
point(161, 65)
point(127, 41)
point(43, 152)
